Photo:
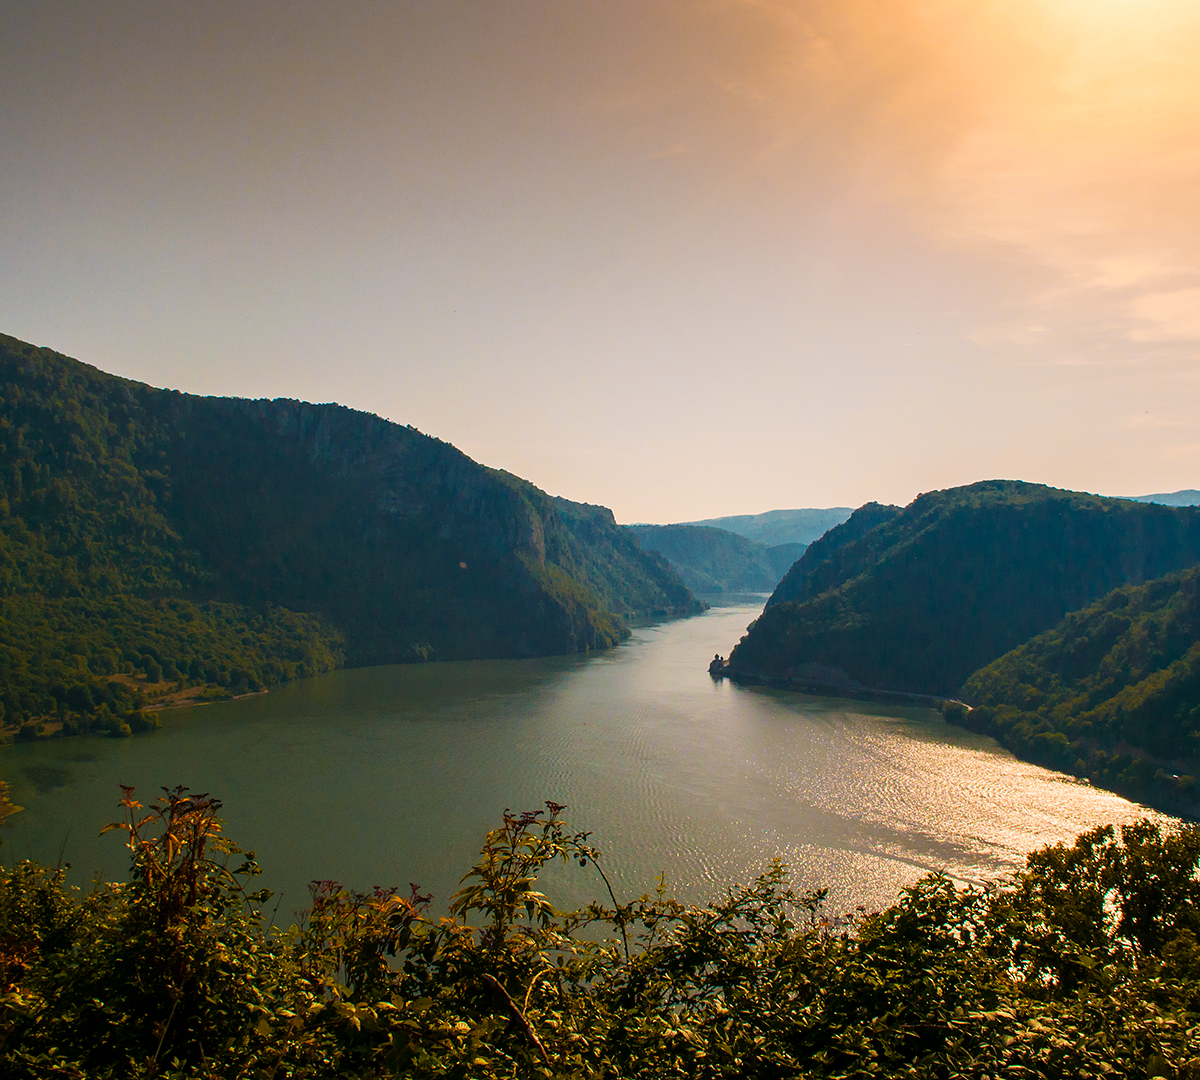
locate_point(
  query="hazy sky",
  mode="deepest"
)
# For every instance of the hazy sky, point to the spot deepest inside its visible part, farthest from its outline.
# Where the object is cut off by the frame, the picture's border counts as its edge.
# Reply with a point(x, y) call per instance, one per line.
point(680, 258)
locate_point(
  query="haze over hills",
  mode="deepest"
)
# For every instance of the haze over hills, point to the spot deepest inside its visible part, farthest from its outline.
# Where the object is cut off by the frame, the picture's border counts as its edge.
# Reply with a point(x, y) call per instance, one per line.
point(780, 526)
point(712, 561)
point(929, 594)
point(149, 535)
point(1187, 497)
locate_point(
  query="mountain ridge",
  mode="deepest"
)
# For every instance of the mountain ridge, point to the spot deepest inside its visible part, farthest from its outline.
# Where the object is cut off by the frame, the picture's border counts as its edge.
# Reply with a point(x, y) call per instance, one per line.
point(290, 537)
point(1185, 497)
point(774, 527)
point(713, 561)
point(1111, 693)
point(957, 578)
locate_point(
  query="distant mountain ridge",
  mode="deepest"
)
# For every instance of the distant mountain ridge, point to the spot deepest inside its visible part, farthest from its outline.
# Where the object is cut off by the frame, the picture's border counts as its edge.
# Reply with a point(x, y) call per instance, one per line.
point(713, 561)
point(780, 526)
point(1186, 497)
point(236, 542)
point(927, 595)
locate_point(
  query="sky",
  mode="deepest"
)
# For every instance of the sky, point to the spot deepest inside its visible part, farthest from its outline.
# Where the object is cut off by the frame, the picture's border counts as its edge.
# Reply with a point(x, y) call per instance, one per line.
point(683, 259)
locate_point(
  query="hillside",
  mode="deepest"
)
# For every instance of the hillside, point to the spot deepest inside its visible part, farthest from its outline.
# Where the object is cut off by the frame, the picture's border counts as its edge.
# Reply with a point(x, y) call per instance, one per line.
point(712, 561)
point(821, 566)
point(1111, 693)
point(780, 526)
point(956, 579)
point(151, 539)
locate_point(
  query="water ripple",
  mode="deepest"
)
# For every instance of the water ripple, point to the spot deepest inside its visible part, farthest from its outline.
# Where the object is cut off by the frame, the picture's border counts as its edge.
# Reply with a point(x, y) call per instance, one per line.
point(390, 775)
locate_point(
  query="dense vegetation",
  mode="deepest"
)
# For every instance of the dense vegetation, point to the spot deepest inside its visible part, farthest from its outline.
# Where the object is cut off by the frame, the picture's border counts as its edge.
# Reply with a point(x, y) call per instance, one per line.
point(152, 541)
point(1084, 964)
point(715, 561)
point(826, 565)
point(959, 577)
point(1111, 693)
point(614, 566)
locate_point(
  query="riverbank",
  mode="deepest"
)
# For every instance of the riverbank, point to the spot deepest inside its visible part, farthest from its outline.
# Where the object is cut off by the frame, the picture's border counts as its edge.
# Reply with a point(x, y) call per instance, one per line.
point(157, 698)
point(7, 806)
point(1129, 772)
point(46, 729)
point(378, 775)
point(829, 687)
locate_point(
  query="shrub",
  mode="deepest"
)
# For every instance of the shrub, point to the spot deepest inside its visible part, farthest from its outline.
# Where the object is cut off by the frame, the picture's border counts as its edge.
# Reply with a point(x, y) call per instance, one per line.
point(1085, 963)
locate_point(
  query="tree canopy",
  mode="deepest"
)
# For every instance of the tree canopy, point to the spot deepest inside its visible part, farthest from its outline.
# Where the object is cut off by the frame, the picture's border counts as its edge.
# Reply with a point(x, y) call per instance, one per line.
point(1083, 964)
point(1111, 693)
point(918, 600)
point(152, 541)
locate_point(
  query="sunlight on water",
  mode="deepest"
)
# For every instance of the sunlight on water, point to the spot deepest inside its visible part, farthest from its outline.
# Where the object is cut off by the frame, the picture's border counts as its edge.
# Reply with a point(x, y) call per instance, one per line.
point(391, 775)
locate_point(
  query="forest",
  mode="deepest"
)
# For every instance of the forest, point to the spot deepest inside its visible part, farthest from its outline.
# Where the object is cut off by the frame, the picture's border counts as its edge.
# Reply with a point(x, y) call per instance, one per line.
point(1112, 693)
point(1085, 963)
point(989, 593)
point(157, 545)
point(712, 560)
point(918, 600)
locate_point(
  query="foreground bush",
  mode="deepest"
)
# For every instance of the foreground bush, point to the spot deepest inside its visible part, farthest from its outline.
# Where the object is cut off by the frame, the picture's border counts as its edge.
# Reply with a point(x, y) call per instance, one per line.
point(1085, 963)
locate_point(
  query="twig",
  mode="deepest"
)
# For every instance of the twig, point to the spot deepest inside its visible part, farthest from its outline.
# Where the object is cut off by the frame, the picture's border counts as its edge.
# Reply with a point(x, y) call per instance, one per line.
point(532, 983)
point(517, 1015)
point(616, 907)
point(162, 1038)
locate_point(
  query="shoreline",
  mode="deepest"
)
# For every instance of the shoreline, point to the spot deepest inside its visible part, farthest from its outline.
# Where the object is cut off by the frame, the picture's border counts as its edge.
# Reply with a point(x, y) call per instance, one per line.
point(53, 730)
point(51, 727)
point(817, 687)
point(1161, 801)
point(176, 701)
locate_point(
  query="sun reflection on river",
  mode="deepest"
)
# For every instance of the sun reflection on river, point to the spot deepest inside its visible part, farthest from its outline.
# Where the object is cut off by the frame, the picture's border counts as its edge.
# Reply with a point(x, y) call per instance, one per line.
point(391, 775)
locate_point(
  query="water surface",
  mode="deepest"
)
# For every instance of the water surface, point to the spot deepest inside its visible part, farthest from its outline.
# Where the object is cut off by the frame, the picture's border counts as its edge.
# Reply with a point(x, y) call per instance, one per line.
point(394, 774)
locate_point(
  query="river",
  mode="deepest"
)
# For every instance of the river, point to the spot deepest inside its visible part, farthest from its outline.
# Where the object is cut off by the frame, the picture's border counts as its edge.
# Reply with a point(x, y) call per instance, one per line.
point(393, 775)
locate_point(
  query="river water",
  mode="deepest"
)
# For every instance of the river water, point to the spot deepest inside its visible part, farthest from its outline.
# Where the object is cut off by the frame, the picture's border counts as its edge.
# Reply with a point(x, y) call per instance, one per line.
point(393, 775)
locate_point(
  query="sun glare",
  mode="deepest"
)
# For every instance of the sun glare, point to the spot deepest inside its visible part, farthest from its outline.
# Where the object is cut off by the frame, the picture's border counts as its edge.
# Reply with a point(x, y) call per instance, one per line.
point(1131, 10)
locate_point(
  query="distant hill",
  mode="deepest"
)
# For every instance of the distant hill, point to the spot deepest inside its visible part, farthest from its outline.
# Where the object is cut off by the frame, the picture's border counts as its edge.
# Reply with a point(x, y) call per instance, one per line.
point(713, 561)
point(149, 537)
point(1187, 497)
point(926, 596)
point(1111, 693)
point(780, 526)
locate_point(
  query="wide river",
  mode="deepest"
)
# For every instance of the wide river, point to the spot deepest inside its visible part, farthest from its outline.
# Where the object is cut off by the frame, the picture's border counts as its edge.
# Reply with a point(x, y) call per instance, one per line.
point(394, 774)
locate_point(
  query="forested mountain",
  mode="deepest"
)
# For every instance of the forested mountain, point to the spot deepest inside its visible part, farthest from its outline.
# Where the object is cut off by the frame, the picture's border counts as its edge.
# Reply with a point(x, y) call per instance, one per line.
point(714, 561)
point(151, 533)
point(780, 526)
point(1111, 693)
point(821, 567)
point(924, 598)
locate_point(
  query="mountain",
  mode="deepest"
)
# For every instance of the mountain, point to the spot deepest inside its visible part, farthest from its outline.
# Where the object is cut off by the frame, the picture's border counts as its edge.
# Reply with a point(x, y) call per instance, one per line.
point(1111, 693)
point(1187, 497)
point(712, 560)
point(923, 598)
point(780, 526)
point(148, 536)
point(824, 566)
